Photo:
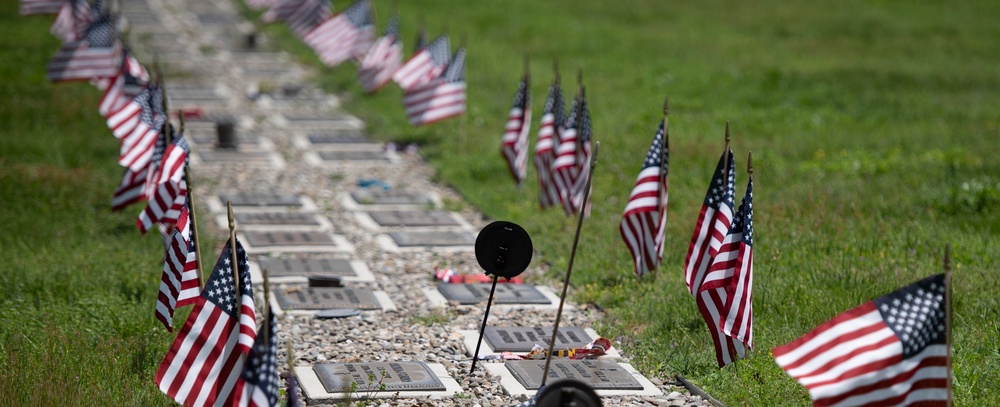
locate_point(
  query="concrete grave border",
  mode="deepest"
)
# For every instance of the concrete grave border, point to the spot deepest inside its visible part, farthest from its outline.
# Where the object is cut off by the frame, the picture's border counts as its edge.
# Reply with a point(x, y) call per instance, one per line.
point(380, 296)
point(365, 220)
point(437, 300)
point(514, 388)
point(348, 203)
point(314, 391)
point(215, 205)
point(362, 274)
point(386, 243)
point(222, 220)
point(469, 339)
point(340, 245)
point(312, 158)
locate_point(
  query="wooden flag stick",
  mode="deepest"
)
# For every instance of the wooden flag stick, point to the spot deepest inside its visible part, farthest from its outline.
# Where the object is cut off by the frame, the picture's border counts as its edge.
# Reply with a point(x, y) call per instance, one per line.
point(725, 162)
point(947, 320)
point(232, 248)
point(750, 164)
point(569, 267)
point(267, 306)
point(555, 68)
point(193, 218)
point(664, 169)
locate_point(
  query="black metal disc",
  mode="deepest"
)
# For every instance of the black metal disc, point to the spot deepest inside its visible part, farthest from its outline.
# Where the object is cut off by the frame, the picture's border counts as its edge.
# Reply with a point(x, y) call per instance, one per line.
point(503, 249)
point(568, 392)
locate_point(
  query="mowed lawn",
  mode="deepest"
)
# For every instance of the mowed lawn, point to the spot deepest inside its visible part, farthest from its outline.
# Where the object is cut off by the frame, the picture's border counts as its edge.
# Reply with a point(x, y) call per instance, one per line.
point(873, 129)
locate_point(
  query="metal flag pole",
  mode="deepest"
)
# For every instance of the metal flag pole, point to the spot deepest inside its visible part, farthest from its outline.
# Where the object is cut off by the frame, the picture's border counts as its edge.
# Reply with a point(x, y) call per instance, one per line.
point(947, 320)
point(569, 267)
point(482, 328)
point(232, 249)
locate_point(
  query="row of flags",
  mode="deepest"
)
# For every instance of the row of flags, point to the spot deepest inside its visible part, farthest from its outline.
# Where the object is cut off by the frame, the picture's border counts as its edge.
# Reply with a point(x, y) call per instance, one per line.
point(218, 356)
point(432, 79)
point(892, 350)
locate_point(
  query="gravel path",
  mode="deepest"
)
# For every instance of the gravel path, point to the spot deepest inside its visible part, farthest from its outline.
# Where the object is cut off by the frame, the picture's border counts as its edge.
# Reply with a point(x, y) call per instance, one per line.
point(200, 46)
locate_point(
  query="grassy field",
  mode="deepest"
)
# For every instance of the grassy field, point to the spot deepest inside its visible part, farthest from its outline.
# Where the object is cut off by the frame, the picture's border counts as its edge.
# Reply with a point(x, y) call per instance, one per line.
point(872, 125)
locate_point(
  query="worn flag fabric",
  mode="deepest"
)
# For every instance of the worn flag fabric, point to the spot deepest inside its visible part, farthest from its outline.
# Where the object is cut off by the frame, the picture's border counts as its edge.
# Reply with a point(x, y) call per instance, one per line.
point(383, 59)
point(71, 20)
point(124, 85)
point(713, 222)
point(301, 15)
point(424, 66)
point(732, 271)
point(644, 221)
point(96, 55)
point(137, 125)
point(344, 36)
point(514, 143)
point(204, 361)
point(165, 199)
point(440, 99)
point(891, 351)
point(258, 385)
point(552, 120)
point(35, 7)
point(174, 258)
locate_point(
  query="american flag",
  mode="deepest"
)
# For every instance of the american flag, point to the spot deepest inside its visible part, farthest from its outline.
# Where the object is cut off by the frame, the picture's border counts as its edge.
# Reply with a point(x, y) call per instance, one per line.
point(551, 122)
point(383, 59)
point(889, 351)
point(644, 221)
point(258, 386)
point(514, 143)
point(440, 99)
point(713, 222)
point(137, 124)
point(175, 257)
point(130, 190)
point(425, 65)
point(300, 15)
point(122, 87)
point(165, 198)
point(33, 7)
point(204, 361)
point(96, 55)
point(71, 20)
point(732, 271)
point(571, 166)
point(293, 392)
point(346, 35)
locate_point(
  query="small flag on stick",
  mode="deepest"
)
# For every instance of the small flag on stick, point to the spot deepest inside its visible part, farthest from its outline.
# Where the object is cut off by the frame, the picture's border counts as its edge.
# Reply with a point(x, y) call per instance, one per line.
point(644, 221)
point(514, 143)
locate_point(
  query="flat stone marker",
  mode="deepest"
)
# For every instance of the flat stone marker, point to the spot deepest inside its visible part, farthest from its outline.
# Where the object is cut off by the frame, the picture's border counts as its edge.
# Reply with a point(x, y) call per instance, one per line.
point(341, 138)
point(392, 197)
point(320, 298)
point(523, 338)
point(468, 294)
point(289, 238)
point(307, 267)
point(598, 374)
point(416, 239)
point(250, 199)
point(276, 218)
point(234, 156)
point(217, 19)
point(349, 155)
point(399, 376)
point(413, 218)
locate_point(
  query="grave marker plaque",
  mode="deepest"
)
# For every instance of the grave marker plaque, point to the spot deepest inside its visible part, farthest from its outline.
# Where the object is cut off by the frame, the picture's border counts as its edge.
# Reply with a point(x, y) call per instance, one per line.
point(380, 197)
point(350, 155)
point(523, 338)
point(468, 294)
point(415, 239)
point(276, 218)
point(223, 157)
point(340, 138)
point(598, 374)
point(308, 267)
point(217, 19)
point(289, 238)
point(250, 199)
point(320, 298)
point(413, 218)
point(398, 376)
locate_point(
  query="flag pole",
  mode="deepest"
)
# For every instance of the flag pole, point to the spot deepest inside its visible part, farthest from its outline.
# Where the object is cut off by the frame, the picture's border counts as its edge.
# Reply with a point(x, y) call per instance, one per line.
point(232, 249)
point(947, 320)
point(267, 306)
point(664, 170)
point(192, 215)
point(569, 267)
point(725, 161)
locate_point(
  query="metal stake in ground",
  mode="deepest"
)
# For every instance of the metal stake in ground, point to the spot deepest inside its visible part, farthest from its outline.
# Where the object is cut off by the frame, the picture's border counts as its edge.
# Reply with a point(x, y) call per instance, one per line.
point(569, 268)
point(505, 248)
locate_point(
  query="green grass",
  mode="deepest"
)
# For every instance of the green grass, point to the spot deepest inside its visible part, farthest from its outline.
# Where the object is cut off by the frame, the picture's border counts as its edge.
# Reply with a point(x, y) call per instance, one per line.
point(873, 127)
